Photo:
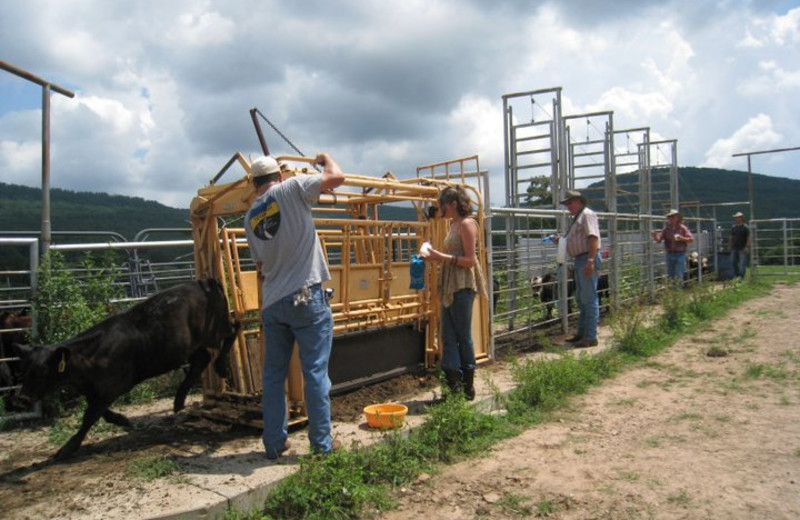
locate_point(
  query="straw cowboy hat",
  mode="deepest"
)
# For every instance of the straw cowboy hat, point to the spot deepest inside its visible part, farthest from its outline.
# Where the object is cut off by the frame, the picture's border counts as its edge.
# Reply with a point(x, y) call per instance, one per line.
point(738, 214)
point(673, 212)
point(573, 194)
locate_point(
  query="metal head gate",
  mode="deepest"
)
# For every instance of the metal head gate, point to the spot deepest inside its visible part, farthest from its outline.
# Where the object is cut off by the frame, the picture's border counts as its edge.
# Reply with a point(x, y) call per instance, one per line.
point(382, 328)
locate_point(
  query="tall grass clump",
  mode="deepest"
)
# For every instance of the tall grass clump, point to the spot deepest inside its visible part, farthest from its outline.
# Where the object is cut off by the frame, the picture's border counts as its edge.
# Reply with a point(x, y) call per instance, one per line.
point(631, 330)
point(673, 305)
point(330, 487)
point(701, 301)
point(454, 429)
point(544, 384)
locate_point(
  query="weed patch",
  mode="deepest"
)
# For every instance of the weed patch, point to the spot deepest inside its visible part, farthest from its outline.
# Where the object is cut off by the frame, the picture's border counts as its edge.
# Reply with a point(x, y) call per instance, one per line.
point(514, 504)
point(151, 468)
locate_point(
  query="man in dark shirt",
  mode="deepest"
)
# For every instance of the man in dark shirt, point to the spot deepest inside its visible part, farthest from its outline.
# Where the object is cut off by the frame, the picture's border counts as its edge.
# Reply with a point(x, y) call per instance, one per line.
point(739, 244)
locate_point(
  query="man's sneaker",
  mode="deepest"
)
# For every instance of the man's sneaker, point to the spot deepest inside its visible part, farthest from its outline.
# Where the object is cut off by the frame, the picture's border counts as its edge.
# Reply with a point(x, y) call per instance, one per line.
point(573, 339)
point(585, 342)
point(272, 454)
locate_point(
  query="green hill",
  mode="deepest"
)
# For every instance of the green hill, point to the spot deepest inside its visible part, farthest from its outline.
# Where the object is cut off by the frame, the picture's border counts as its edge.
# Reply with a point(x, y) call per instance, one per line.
point(774, 196)
point(20, 206)
point(21, 210)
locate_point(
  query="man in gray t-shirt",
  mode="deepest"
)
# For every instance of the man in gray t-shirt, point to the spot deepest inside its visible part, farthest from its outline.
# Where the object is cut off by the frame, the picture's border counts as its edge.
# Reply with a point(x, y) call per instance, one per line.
point(284, 243)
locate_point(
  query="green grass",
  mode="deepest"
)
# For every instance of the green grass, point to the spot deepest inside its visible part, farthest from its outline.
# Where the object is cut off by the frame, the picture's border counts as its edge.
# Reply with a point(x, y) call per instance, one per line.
point(762, 371)
point(681, 498)
point(515, 505)
point(545, 508)
point(61, 431)
point(688, 416)
point(152, 468)
point(348, 483)
point(630, 476)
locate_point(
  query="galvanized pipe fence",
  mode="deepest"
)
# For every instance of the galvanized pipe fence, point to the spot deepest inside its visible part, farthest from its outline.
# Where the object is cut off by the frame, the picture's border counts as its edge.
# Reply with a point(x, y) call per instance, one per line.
point(775, 246)
point(633, 265)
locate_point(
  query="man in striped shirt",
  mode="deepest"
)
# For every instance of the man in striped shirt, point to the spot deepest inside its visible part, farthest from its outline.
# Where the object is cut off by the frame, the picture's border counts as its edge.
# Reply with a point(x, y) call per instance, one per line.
point(583, 245)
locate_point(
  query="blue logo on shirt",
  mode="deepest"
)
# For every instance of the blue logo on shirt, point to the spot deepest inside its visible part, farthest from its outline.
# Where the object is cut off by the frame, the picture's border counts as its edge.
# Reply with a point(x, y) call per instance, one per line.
point(265, 218)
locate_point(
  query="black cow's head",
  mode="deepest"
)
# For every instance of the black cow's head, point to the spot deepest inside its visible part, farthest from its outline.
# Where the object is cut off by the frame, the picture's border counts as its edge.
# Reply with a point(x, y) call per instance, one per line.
point(42, 368)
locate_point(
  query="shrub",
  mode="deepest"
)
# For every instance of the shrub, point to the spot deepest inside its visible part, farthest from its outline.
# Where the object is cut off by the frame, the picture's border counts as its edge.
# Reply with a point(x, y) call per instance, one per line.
point(63, 304)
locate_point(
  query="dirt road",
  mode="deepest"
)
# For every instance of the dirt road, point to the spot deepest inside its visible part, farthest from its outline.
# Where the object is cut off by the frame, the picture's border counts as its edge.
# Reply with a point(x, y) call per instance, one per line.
point(685, 436)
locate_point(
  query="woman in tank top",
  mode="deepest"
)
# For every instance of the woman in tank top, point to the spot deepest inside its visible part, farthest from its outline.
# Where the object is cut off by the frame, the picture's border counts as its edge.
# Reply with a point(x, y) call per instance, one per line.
point(460, 278)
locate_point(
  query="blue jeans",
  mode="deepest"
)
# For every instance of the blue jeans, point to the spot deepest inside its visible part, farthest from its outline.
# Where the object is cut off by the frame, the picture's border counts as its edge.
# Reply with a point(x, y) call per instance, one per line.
point(311, 325)
point(458, 352)
point(676, 265)
point(586, 297)
point(739, 261)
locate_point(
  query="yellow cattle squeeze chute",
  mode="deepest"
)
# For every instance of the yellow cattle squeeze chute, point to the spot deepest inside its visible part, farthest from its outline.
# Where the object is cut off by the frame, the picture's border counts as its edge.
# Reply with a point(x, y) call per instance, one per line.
point(369, 228)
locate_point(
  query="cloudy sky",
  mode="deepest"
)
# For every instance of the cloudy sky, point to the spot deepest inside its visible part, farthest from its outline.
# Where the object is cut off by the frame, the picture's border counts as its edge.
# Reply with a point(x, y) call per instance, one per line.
point(163, 89)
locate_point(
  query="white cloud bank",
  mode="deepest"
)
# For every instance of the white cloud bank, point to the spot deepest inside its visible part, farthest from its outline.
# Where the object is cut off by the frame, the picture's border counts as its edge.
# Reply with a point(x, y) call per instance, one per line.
point(164, 89)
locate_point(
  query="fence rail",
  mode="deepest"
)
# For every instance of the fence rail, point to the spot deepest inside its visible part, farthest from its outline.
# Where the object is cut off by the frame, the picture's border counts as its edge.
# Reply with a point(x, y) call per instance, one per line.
point(776, 246)
point(633, 264)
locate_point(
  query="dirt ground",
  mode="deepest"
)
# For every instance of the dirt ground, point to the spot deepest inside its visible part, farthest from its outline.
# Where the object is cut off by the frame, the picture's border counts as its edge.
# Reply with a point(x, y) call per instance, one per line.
point(686, 435)
point(99, 483)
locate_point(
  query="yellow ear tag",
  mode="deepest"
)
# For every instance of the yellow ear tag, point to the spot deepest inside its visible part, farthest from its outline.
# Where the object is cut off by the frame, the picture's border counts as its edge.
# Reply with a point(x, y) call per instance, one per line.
point(62, 365)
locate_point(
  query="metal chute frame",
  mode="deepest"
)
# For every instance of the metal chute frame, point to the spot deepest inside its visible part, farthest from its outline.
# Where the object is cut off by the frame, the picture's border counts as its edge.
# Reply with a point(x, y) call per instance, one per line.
point(369, 258)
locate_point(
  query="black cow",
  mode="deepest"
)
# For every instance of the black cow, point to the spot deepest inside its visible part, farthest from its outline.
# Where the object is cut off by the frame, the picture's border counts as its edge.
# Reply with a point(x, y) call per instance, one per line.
point(168, 330)
point(545, 287)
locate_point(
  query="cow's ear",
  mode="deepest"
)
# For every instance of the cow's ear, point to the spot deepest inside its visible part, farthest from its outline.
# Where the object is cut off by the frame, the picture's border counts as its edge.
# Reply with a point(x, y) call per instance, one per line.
point(60, 359)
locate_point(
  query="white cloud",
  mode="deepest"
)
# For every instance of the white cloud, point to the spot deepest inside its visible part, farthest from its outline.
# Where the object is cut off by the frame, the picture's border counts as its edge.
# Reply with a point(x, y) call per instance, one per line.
point(769, 79)
point(201, 30)
point(772, 30)
point(477, 124)
point(757, 134)
point(19, 158)
point(111, 112)
point(634, 106)
point(786, 29)
point(750, 41)
point(163, 93)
